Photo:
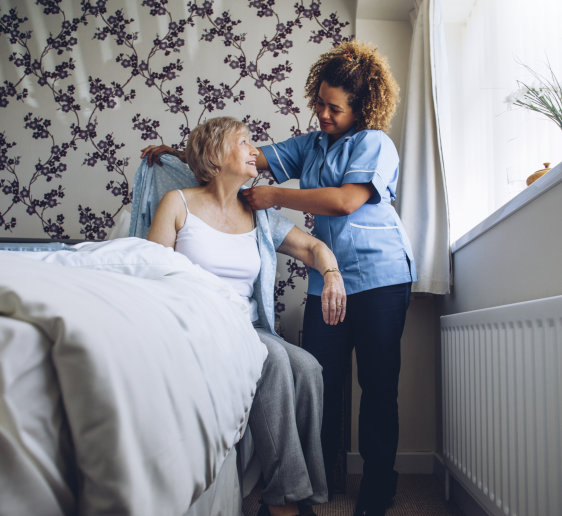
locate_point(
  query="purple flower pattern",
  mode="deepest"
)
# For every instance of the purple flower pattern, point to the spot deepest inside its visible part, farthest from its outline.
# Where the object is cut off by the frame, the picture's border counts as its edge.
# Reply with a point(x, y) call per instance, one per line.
point(50, 65)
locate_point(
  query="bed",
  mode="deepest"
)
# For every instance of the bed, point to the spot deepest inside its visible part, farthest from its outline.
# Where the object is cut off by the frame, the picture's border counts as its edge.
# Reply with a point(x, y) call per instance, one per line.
point(126, 378)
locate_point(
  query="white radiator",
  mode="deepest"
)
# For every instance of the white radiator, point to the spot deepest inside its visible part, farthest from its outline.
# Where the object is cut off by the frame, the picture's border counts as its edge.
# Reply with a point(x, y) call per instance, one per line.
point(502, 405)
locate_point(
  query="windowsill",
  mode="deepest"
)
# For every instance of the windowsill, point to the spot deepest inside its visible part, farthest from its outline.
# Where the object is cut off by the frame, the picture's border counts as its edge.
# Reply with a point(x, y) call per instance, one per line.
point(541, 185)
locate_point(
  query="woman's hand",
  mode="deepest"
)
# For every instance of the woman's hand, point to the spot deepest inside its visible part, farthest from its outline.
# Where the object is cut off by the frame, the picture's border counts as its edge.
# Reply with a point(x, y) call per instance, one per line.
point(259, 197)
point(153, 153)
point(334, 298)
point(315, 253)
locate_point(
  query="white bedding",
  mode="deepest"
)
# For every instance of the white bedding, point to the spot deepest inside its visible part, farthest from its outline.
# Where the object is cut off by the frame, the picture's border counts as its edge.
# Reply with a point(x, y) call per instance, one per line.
point(155, 363)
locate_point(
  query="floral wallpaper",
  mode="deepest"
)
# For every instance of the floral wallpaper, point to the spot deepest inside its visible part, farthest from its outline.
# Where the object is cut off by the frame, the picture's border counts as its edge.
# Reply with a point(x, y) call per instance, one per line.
point(85, 85)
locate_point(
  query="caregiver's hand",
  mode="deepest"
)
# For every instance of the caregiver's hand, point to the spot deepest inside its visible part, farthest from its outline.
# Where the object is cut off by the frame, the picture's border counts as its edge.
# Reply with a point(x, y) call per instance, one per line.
point(260, 197)
point(153, 153)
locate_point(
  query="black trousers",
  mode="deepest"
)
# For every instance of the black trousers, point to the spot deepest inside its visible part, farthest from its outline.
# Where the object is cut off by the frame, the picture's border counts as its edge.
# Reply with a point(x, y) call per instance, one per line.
point(373, 326)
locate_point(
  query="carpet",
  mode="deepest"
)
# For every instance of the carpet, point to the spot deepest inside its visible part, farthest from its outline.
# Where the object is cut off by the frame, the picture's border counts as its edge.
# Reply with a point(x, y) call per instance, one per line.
point(417, 495)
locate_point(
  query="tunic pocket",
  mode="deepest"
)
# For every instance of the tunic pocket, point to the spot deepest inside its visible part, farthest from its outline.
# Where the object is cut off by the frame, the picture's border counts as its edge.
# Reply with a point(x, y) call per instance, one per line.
point(379, 245)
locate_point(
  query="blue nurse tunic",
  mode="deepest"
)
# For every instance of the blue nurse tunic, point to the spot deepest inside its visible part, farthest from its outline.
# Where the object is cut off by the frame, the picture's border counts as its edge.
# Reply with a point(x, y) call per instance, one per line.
point(370, 244)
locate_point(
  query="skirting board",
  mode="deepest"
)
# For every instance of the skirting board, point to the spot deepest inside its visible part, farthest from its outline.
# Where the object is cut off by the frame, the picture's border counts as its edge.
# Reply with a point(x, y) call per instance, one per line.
point(408, 463)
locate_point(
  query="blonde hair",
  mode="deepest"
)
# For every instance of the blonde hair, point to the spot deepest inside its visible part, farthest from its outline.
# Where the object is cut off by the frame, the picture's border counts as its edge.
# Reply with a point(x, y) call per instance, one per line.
point(208, 145)
point(364, 75)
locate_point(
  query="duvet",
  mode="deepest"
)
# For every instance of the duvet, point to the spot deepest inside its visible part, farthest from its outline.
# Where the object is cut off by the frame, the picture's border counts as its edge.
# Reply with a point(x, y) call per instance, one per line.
point(126, 377)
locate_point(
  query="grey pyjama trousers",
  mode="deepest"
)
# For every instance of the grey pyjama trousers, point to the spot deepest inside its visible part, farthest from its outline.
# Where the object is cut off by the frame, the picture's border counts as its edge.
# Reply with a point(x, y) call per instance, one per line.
point(286, 421)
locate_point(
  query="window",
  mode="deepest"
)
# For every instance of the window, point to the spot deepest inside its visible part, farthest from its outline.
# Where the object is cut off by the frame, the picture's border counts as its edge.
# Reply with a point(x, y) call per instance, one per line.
point(495, 147)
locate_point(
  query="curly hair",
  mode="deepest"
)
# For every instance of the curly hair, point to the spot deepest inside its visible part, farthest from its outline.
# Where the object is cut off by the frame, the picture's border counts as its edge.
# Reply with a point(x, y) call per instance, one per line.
point(208, 145)
point(365, 75)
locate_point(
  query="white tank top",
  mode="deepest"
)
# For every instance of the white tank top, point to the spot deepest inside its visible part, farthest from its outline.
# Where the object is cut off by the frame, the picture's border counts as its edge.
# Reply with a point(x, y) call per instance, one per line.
point(233, 257)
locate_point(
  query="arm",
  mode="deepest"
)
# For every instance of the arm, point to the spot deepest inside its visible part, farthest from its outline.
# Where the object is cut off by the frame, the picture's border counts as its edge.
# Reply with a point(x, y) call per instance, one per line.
point(164, 227)
point(315, 253)
point(153, 153)
point(335, 201)
point(261, 161)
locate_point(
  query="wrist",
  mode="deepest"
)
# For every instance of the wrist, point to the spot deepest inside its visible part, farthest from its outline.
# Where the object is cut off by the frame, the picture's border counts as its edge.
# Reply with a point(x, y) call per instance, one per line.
point(330, 270)
point(274, 198)
point(178, 154)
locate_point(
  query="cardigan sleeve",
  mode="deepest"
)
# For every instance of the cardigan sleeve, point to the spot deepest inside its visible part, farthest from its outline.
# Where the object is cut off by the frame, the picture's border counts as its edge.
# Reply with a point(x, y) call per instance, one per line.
point(150, 185)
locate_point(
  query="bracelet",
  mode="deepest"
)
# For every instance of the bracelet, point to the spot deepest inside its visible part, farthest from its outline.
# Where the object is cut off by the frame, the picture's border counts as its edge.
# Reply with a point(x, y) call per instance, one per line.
point(330, 269)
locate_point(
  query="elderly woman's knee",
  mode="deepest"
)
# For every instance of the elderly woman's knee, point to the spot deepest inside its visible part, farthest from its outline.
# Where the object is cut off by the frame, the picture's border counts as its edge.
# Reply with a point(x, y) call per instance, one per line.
point(308, 368)
point(277, 361)
point(313, 367)
point(293, 362)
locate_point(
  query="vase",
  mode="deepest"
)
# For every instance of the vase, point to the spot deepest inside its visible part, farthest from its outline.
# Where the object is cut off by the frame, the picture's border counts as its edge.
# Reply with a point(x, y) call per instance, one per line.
point(539, 173)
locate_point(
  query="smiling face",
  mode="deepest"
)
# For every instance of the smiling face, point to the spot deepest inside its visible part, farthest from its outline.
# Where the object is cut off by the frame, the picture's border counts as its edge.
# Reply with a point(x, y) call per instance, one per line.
point(240, 155)
point(333, 111)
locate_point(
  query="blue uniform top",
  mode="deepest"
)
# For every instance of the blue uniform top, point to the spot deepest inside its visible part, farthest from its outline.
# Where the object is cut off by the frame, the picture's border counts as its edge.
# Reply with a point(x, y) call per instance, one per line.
point(370, 244)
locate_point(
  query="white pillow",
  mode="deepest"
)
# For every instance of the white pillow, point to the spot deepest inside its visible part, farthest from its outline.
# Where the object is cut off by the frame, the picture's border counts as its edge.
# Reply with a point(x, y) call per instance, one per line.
point(131, 255)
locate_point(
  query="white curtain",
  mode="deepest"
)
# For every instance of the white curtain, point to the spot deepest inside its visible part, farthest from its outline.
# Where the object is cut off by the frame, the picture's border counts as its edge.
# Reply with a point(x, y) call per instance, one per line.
point(422, 199)
point(496, 147)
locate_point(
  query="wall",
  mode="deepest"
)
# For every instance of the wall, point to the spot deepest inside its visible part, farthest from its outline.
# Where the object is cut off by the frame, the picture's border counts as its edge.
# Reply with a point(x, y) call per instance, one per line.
point(515, 254)
point(84, 86)
point(393, 41)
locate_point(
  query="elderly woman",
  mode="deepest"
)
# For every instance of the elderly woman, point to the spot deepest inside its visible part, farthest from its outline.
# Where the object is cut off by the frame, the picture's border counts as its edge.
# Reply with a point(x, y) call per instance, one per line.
point(214, 228)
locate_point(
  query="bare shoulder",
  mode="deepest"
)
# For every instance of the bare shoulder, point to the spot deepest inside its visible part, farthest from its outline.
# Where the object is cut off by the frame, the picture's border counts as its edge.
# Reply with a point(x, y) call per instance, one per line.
point(175, 197)
point(192, 193)
point(171, 205)
point(170, 198)
point(196, 198)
